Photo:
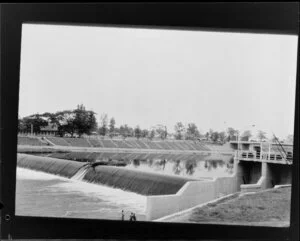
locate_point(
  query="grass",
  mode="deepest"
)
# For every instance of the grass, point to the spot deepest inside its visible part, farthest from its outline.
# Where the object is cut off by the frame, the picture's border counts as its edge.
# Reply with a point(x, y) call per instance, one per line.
point(268, 206)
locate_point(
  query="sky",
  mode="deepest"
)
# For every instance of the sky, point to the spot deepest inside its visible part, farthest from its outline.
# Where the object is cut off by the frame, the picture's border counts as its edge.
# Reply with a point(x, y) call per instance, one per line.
point(147, 77)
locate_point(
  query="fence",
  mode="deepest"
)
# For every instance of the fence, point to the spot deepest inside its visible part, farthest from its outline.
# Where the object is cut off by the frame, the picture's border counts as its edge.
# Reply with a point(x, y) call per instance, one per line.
point(251, 155)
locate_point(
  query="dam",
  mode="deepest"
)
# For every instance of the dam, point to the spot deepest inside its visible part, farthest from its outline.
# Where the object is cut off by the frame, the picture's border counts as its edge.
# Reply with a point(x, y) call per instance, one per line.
point(167, 181)
point(144, 183)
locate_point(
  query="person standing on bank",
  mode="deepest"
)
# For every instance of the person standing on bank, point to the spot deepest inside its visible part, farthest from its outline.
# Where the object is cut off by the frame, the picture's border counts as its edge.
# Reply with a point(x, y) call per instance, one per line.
point(133, 217)
point(123, 215)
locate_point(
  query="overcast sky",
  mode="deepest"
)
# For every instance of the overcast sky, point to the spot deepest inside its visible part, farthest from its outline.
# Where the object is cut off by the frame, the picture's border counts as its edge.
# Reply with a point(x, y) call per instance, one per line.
point(147, 77)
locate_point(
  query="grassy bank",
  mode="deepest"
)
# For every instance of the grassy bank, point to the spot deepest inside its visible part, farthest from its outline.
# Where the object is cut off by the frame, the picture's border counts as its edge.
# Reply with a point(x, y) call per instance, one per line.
point(271, 207)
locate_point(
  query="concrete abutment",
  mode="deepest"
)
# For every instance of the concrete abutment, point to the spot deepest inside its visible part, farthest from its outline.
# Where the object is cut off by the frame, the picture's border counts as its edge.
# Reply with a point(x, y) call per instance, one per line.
point(255, 176)
point(248, 176)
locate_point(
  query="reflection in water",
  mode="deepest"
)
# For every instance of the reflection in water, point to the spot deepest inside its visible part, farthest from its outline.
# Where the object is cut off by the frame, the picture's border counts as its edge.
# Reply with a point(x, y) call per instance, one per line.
point(136, 162)
point(163, 163)
point(150, 162)
point(190, 168)
point(177, 167)
point(191, 165)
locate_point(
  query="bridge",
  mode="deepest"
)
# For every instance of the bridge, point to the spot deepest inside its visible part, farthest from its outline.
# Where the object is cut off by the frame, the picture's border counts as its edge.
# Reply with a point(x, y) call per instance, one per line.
point(270, 157)
point(262, 165)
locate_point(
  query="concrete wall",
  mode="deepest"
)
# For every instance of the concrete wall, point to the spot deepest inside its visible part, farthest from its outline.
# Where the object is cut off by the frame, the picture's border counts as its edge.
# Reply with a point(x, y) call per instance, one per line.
point(226, 185)
point(248, 176)
point(266, 180)
point(271, 175)
point(191, 194)
point(249, 172)
point(280, 174)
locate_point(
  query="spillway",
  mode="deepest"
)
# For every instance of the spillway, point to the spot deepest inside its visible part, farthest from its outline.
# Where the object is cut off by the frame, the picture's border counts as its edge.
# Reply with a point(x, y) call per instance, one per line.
point(54, 166)
point(143, 183)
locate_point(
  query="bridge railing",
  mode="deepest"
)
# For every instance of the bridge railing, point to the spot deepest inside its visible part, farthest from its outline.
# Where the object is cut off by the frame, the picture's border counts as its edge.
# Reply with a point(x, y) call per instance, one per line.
point(272, 156)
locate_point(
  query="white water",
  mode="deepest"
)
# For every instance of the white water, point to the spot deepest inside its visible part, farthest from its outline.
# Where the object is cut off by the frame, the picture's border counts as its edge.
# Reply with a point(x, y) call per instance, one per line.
point(27, 174)
point(81, 173)
point(45, 194)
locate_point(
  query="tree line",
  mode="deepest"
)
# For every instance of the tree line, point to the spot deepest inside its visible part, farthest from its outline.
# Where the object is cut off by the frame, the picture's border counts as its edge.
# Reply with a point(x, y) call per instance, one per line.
point(80, 122)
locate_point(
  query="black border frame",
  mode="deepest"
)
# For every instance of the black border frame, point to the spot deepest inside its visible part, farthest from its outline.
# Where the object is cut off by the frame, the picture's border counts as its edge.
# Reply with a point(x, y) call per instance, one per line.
point(273, 18)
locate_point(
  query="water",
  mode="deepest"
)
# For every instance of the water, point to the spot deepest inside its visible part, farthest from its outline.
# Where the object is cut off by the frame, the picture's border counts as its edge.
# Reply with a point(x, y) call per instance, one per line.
point(42, 194)
point(191, 169)
point(185, 165)
point(144, 183)
point(80, 174)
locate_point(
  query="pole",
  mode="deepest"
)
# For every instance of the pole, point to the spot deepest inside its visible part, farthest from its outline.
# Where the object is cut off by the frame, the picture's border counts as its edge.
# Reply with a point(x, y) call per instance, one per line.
point(260, 150)
point(269, 151)
point(238, 143)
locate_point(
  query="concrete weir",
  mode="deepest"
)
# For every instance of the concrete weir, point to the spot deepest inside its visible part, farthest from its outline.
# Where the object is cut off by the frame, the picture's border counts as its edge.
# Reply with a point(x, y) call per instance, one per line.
point(168, 194)
point(50, 165)
point(143, 183)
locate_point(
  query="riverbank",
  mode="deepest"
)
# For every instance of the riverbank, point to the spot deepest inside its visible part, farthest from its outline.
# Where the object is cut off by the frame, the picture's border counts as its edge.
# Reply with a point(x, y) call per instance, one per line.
point(265, 208)
point(41, 149)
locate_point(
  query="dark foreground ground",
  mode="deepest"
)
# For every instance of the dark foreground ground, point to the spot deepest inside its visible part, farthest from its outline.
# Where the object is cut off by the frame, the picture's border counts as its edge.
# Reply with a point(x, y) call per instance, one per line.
point(266, 208)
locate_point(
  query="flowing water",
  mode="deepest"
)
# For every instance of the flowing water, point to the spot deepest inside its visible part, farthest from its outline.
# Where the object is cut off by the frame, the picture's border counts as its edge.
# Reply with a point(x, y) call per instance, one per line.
point(43, 194)
point(185, 165)
point(80, 174)
point(70, 188)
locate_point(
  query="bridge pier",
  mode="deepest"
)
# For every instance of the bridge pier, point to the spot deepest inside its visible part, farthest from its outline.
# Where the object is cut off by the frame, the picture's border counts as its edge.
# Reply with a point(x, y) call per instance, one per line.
point(259, 175)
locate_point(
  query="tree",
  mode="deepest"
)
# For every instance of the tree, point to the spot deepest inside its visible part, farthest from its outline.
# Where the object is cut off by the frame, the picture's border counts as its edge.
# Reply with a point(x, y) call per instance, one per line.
point(103, 125)
point(192, 132)
point(21, 125)
point(126, 131)
point(246, 135)
point(65, 121)
point(179, 131)
point(92, 122)
point(112, 124)
point(222, 136)
point(122, 131)
point(84, 121)
point(161, 131)
point(34, 121)
point(137, 132)
point(261, 135)
point(232, 134)
point(152, 134)
point(215, 136)
point(117, 131)
point(145, 133)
